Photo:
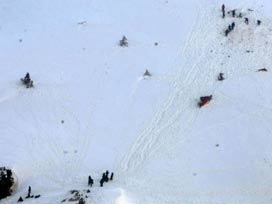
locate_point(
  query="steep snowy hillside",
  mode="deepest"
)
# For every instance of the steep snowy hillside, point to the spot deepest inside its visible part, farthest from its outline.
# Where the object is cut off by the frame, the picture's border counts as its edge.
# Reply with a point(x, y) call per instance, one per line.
point(91, 109)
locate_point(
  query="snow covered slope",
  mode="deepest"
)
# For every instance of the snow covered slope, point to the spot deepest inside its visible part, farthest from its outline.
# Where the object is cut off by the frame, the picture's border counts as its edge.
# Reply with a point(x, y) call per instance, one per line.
point(92, 110)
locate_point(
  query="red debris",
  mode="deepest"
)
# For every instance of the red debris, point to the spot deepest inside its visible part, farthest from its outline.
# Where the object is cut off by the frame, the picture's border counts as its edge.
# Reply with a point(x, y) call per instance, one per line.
point(204, 100)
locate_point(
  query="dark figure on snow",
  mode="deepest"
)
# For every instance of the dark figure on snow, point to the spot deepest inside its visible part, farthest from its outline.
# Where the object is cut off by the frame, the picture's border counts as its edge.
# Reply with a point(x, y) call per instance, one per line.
point(111, 176)
point(262, 70)
point(27, 80)
point(101, 182)
point(230, 28)
point(221, 77)
point(123, 42)
point(29, 192)
point(147, 73)
point(232, 25)
point(9, 174)
point(227, 32)
point(105, 177)
point(90, 181)
point(27, 77)
point(259, 22)
point(233, 13)
point(20, 199)
point(223, 11)
point(204, 100)
point(246, 21)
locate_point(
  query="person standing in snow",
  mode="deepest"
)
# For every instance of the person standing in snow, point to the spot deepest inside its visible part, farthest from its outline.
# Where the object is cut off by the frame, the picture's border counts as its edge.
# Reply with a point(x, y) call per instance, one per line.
point(27, 77)
point(227, 32)
point(229, 28)
point(90, 181)
point(105, 177)
point(29, 192)
point(232, 25)
point(101, 182)
point(111, 176)
point(223, 11)
point(233, 12)
point(246, 20)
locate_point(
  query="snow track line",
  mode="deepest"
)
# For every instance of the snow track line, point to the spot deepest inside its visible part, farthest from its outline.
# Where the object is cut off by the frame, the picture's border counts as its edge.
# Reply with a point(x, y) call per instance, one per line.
point(149, 136)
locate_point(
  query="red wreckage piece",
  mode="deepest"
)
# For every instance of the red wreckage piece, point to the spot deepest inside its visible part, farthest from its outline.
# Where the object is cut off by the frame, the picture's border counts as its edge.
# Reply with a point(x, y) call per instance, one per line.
point(204, 100)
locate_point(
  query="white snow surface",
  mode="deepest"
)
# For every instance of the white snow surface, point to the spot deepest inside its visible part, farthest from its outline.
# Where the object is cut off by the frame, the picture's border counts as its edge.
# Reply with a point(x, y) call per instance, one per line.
point(91, 109)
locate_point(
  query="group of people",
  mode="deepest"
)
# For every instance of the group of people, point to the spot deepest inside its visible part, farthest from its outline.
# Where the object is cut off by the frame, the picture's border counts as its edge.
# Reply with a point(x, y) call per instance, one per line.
point(105, 178)
point(230, 28)
point(247, 21)
point(233, 14)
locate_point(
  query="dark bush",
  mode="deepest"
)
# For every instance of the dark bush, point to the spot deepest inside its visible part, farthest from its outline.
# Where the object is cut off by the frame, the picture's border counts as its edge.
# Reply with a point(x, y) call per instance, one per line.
point(6, 182)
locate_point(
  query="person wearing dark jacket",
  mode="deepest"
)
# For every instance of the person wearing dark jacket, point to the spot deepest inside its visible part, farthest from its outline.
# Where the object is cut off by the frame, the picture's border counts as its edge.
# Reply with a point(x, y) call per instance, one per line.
point(29, 192)
point(90, 181)
point(232, 25)
point(229, 27)
point(105, 177)
point(233, 12)
point(223, 11)
point(101, 182)
point(111, 176)
point(27, 77)
point(246, 20)
point(227, 32)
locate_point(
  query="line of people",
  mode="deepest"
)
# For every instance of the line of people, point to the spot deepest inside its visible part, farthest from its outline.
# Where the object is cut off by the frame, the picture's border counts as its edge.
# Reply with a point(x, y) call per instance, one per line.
point(105, 178)
point(229, 29)
point(233, 14)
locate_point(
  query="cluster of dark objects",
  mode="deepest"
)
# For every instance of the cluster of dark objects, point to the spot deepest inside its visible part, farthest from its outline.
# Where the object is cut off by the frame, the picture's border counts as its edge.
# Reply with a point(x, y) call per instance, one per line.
point(77, 196)
point(6, 182)
point(27, 81)
point(123, 42)
point(28, 195)
point(233, 13)
point(105, 178)
point(203, 100)
point(230, 28)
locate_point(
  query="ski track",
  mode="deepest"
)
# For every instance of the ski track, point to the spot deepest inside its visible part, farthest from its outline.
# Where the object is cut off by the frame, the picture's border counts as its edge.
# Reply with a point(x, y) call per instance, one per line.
point(147, 137)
